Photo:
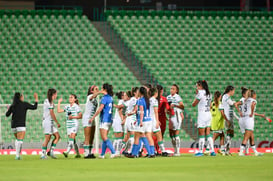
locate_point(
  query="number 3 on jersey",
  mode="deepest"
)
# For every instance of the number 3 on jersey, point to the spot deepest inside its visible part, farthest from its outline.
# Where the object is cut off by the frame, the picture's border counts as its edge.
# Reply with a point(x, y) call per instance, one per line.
point(110, 106)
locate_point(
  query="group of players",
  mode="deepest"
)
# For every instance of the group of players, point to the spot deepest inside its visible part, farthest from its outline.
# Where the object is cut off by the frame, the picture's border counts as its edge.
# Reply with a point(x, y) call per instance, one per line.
point(140, 120)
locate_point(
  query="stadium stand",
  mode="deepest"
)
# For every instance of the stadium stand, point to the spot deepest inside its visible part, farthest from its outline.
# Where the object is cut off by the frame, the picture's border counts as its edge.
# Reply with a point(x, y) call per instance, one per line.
point(223, 47)
point(53, 48)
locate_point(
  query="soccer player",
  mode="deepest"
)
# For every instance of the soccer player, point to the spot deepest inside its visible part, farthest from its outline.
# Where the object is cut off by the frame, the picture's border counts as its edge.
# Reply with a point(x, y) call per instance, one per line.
point(144, 126)
point(130, 119)
point(18, 109)
point(89, 129)
point(203, 99)
point(117, 121)
point(155, 120)
point(218, 122)
point(227, 110)
point(248, 112)
point(105, 111)
point(73, 113)
point(48, 124)
point(175, 120)
point(162, 109)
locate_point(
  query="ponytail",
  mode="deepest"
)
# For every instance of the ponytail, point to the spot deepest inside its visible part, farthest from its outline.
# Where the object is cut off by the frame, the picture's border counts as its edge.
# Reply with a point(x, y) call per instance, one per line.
point(217, 94)
point(50, 93)
point(204, 85)
point(244, 90)
point(119, 94)
point(91, 90)
point(152, 92)
point(143, 91)
point(134, 90)
point(228, 89)
point(129, 94)
point(16, 98)
point(159, 89)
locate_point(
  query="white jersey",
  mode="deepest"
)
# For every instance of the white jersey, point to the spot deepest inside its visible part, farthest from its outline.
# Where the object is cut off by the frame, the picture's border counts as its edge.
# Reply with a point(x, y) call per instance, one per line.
point(117, 116)
point(204, 101)
point(175, 99)
point(46, 113)
point(228, 106)
point(131, 105)
point(247, 107)
point(73, 110)
point(153, 104)
point(90, 107)
point(242, 100)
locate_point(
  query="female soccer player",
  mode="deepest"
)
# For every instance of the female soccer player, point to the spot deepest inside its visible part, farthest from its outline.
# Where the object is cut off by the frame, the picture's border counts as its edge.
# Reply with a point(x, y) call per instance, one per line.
point(248, 112)
point(105, 111)
point(117, 121)
point(18, 109)
point(129, 120)
point(227, 111)
point(175, 120)
point(203, 99)
point(48, 124)
point(155, 120)
point(89, 129)
point(217, 122)
point(144, 125)
point(73, 113)
point(162, 109)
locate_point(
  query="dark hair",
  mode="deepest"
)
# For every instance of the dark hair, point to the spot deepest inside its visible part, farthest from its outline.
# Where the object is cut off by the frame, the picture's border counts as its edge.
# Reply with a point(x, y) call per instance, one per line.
point(159, 89)
point(108, 88)
point(119, 94)
point(134, 90)
point(177, 88)
point(50, 93)
point(217, 94)
point(148, 85)
point(228, 89)
point(244, 90)
point(205, 86)
point(16, 98)
point(76, 101)
point(129, 94)
point(143, 91)
point(250, 93)
point(91, 89)
point(152, 91)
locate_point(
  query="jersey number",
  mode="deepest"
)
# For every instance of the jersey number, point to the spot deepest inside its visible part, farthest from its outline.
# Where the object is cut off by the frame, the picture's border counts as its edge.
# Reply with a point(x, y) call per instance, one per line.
point(110, 106)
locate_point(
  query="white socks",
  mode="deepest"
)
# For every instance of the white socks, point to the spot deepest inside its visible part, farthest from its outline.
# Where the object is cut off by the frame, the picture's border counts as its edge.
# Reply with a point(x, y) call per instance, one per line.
point(210, 143)
point(18, 147)
point(70, 145)
point(201, 144)
point(177, 144)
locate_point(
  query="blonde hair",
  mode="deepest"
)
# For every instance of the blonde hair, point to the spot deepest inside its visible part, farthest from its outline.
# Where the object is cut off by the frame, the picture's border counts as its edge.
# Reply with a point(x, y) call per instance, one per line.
point(250, 93)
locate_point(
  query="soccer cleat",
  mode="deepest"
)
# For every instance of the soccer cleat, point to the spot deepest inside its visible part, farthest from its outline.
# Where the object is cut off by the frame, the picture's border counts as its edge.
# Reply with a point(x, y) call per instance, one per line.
point(151, 156)
point(259, 154)
point(114, 155)
point(65, 154)
point(212, 154)
point(177, 155)
point(92, 156)
point(43, 157)
point(87, 157)
point(17, 158)
point(78, 156)
point(48, 153)
point(131, 156)
point(101, 156)
point(53, 156)
point(247, 154)
point(198, 154)
point(165, 154)
point(241, 154)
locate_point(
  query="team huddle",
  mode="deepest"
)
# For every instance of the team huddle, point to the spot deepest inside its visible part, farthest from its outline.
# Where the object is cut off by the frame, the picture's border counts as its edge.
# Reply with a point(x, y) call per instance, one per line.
point(140, 120)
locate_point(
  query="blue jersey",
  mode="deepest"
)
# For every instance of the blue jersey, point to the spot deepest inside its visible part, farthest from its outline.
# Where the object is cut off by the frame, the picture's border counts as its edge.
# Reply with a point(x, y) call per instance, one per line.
point(106, 113)
point(146, 116)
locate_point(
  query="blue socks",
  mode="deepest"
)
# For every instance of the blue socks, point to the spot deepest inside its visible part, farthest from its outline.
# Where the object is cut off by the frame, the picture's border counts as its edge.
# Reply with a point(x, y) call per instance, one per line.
point(135, 149)
point(105, 144)
point(147, 146)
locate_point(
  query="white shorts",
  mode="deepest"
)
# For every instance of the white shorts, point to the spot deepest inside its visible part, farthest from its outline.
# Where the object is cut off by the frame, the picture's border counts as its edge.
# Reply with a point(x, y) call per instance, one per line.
point(155, 130)
point(74, 130)
point(106, 126)
point(242, 125)
point(85, 122)
point(49, 127)
point(147, 127)
point(204, 120)
point(18, 129)
point(117, 127)
point(248, 123)
point(176, 122)
point(130, 124)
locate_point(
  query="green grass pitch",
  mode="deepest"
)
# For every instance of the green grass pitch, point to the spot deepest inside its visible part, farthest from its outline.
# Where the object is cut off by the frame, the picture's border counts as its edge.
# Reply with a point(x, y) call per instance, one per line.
point(186, 168)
